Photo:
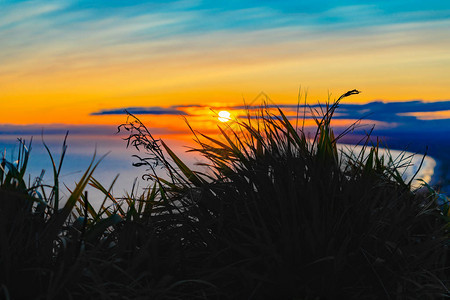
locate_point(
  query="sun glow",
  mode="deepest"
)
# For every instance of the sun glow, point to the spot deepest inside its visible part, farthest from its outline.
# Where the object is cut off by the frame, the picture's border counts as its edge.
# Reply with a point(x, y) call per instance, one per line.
point(224, 116)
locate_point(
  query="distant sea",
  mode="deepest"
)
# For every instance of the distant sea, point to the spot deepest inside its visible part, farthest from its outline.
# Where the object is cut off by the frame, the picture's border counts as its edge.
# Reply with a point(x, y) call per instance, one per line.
point(119, 160)
point(433, 144)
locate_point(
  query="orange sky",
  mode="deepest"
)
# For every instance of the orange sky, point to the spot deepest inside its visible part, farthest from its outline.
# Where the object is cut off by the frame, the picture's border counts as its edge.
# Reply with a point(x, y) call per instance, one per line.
point(60, 72)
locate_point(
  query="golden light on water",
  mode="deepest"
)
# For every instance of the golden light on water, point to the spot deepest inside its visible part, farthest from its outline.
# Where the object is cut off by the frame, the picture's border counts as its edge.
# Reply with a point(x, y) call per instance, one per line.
point(224, 116)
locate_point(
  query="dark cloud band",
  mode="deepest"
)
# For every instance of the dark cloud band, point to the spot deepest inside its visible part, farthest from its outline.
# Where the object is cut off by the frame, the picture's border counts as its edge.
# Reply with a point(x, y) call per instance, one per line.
point(152, 110)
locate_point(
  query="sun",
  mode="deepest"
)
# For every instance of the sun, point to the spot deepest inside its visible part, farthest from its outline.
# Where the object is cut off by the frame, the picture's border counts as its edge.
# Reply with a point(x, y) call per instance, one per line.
point(224, 116)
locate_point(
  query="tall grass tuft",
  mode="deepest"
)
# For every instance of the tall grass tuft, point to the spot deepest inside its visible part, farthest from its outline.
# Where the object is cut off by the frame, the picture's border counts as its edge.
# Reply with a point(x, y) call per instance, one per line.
point(282, 215)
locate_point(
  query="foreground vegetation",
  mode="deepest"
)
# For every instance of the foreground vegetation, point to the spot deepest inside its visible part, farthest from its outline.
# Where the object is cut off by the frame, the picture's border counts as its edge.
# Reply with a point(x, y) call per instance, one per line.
point(276, 216)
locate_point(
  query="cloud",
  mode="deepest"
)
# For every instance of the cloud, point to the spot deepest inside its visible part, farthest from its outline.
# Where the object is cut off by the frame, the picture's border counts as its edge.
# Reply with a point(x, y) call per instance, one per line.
point(49, 29)
point(54, 129)
point(36, 130)
point(189, 106)
point(376, 108)
point(23, 12)
point(152, 110)
point(404, 115)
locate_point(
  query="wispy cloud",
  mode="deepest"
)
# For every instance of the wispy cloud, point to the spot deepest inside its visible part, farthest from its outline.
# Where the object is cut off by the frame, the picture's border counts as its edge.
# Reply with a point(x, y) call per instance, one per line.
point(153, 110)
point(38, 130)
point(55, 30)
point(55, 129)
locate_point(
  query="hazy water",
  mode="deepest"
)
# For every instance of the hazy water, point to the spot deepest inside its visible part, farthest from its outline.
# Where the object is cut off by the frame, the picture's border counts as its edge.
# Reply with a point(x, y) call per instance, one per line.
point(410, 165)
point(79, 154)
point(81, 149)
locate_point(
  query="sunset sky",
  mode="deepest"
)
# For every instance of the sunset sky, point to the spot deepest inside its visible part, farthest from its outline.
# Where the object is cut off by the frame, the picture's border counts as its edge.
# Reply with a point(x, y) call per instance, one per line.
point(76, 62)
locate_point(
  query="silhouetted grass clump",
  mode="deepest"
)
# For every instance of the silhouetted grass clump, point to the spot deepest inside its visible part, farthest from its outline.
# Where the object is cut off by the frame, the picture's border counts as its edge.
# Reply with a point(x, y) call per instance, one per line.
point(276, 215)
